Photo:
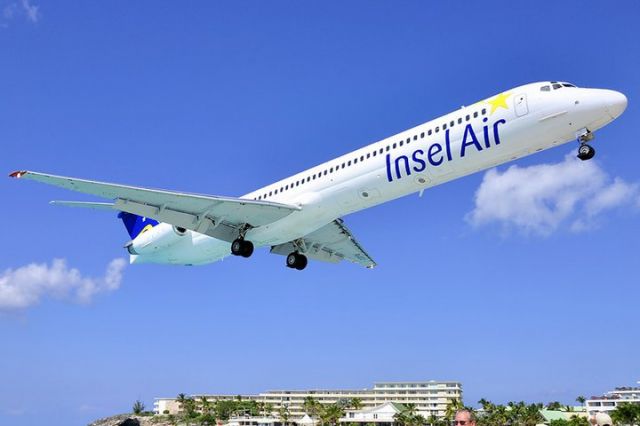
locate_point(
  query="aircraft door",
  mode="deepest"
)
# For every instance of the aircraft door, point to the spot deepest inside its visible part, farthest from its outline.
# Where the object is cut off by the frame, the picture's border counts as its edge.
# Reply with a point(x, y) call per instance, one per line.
point(520, 102)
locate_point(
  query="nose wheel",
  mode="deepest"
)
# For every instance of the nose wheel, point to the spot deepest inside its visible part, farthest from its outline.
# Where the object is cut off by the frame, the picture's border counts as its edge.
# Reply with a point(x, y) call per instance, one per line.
point(297, 261)
point(586, 152)
point(241, 247)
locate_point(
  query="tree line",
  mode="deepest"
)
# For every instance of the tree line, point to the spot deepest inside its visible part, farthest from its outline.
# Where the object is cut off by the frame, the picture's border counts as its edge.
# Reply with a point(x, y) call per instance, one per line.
point(202, 411)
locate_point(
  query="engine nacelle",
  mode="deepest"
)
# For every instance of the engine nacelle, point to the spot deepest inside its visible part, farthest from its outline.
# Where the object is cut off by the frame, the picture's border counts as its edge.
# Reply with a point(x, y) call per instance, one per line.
point(156, 239)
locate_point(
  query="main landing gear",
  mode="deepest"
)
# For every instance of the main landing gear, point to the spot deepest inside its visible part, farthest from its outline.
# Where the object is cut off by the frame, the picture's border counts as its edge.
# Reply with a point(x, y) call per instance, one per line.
point(241, 247)
point(585, 151)
point(297, 261)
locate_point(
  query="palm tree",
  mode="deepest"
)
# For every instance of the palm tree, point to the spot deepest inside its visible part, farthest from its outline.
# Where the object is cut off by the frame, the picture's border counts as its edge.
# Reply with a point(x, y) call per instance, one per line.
point(331, 414)
point(452, 406)
point(138, 407)
point(311, 406)
point(268, 409)
point(581, 399)
point(356, 403)
point(205, 405)
point(181, 399)
point(283, 413)
point(555, 405)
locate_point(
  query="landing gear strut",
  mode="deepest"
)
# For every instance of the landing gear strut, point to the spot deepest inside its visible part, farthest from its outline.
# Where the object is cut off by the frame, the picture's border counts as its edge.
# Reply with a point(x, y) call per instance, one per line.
point(241, 247)
point(297, 261)
point(586, 151)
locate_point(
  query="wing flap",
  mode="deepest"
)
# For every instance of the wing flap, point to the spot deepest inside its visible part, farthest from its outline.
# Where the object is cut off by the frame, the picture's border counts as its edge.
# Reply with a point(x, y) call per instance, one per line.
point(331, 243)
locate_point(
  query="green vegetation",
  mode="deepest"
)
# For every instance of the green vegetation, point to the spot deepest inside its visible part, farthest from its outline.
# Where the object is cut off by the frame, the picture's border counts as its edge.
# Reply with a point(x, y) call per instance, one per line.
point(514, 414)
point(626, 414)
point(409, 416)
point(138, 407)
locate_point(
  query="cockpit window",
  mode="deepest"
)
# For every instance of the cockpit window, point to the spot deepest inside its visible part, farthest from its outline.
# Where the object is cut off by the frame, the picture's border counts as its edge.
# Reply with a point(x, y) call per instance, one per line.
point(556, 86)
point(568, 85)
point(545, 89)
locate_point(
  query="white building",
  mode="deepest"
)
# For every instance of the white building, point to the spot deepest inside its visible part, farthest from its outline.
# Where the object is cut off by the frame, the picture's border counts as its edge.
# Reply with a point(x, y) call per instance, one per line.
point(610, 400)
point(382, 415)
point(430, 397)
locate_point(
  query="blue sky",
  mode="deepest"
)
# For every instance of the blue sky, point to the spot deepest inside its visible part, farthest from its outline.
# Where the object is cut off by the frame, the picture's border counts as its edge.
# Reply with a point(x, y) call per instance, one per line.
point(224, 98)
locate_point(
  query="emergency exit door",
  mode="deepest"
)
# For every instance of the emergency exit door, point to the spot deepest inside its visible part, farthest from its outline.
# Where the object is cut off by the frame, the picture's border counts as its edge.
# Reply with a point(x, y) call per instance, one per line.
point(520, 102)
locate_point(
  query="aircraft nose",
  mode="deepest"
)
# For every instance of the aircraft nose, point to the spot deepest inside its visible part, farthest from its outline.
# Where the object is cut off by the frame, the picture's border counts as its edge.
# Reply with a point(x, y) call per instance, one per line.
point(616, 103)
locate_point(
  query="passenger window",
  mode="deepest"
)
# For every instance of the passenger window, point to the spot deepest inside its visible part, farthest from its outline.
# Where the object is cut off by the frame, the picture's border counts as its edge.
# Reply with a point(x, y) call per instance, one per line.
point(444, 126)
point(468, 117)
point(422, 135)
point(349, 163)
point(331, 170)
point(325, 172)
point(369, 154)
point(388, 148)
point(430, 132)
point(459, 120)
point(437, 129)
point(415, 137)
point(475, 114)
point(375, 153)
point(355, 160)
point(401, 143)
point(381, 150)
point(484, 111)
point(395, 145)
point(452, 123)
point(362, 157)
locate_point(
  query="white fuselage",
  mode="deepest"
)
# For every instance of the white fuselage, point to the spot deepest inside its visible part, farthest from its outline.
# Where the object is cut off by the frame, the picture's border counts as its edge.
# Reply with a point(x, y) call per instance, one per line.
point(516, 123)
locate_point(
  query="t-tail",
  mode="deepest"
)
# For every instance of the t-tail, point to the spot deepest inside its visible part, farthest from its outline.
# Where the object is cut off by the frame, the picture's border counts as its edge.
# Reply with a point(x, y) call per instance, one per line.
point(135, 224)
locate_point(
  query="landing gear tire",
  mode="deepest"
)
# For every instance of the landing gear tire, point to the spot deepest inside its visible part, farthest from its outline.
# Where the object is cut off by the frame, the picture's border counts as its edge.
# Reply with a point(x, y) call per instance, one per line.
point(586, 152)
point(240, 247)
point(296, 261)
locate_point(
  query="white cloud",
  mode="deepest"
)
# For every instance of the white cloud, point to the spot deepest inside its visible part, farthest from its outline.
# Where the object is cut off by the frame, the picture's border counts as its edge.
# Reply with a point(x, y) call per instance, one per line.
point(19, 8)
point(27, 285)
point(539, 199)
point(30, 10)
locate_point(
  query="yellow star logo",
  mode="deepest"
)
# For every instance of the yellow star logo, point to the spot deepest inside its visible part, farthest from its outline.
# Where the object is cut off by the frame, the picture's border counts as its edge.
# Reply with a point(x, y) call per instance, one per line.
point(500, 101)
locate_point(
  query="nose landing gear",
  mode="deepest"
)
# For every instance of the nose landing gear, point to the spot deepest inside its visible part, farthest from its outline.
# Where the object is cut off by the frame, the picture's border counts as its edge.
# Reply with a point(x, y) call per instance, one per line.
point(585, 151)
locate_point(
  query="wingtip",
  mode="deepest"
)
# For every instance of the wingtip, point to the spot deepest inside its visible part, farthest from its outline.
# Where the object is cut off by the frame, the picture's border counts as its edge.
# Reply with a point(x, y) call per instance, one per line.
point(18, 174)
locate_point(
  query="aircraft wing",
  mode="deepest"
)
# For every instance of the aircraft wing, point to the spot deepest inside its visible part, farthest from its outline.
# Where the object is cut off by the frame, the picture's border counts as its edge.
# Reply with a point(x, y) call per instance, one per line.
point(216, 216)
point(331, 243)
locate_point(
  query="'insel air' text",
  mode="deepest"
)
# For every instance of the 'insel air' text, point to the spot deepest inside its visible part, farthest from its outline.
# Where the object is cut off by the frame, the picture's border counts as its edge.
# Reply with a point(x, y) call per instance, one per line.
point(437, 154)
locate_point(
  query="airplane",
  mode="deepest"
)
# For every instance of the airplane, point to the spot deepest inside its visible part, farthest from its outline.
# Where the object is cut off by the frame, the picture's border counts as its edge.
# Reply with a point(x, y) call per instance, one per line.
point(300, 217)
